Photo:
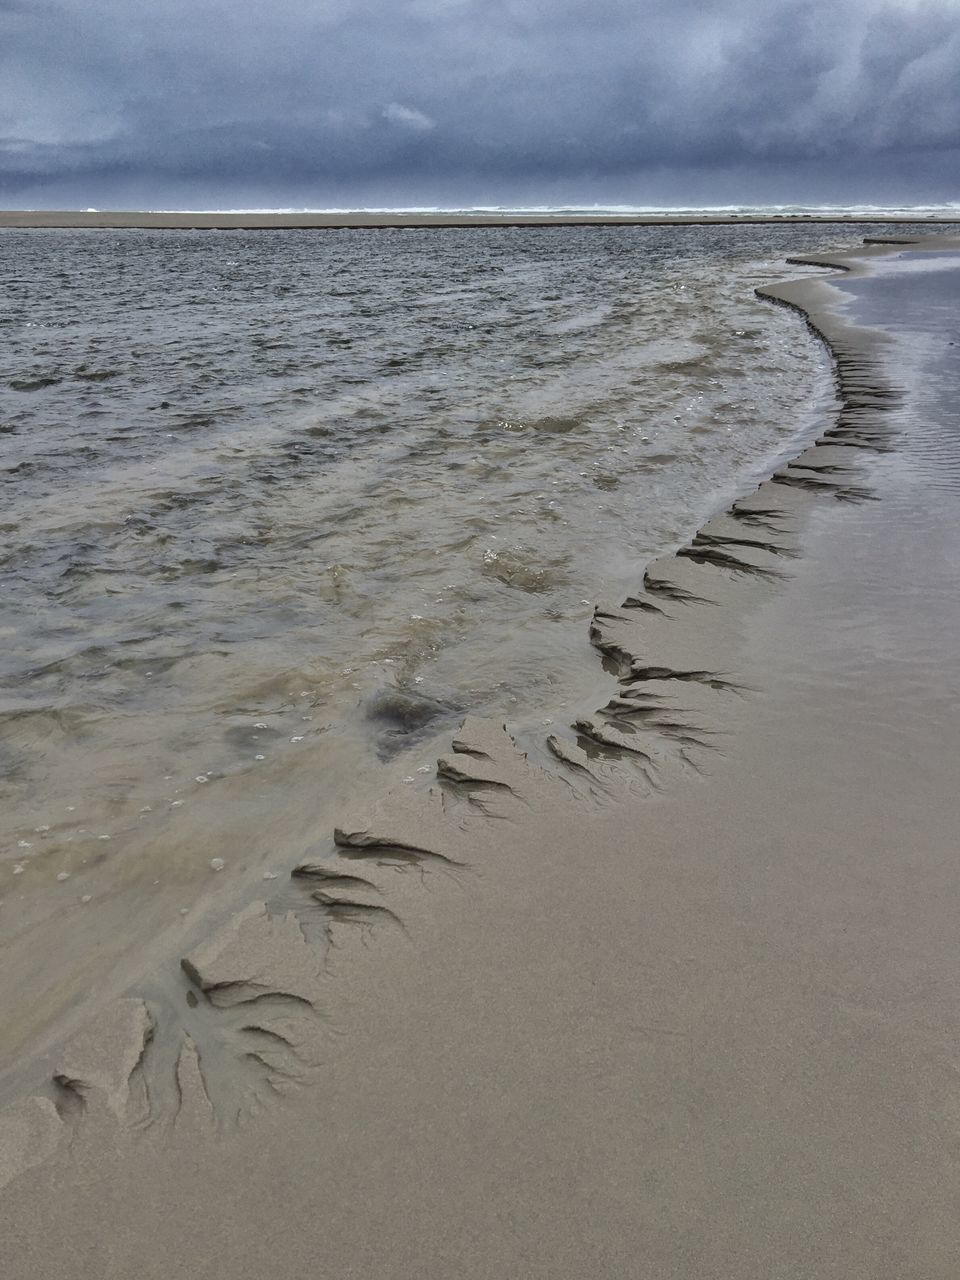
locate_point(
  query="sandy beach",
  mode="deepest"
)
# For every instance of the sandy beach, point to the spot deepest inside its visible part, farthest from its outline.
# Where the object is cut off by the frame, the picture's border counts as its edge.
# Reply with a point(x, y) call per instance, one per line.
point(673, 994)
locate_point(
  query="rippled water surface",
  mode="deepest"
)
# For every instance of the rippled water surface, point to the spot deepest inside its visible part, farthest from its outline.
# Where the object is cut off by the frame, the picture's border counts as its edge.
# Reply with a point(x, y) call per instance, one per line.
point(268, 493)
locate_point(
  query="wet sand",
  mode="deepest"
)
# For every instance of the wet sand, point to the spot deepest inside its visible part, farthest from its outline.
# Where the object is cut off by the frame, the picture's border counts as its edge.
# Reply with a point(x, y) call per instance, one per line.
point(221, 624)
point(675, 995)
point(204, 221)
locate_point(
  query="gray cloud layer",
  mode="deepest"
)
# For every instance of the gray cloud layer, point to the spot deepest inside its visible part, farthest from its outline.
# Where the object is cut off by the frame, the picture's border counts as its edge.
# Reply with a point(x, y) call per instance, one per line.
point(311, 96)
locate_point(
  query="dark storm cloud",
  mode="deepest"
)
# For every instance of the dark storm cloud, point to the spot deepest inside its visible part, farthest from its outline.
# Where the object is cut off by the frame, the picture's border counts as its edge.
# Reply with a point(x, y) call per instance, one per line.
point(340, 90)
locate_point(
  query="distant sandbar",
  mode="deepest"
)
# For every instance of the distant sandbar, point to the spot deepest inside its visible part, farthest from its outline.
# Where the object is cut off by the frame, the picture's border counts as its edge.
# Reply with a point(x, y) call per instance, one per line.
point(212, 221)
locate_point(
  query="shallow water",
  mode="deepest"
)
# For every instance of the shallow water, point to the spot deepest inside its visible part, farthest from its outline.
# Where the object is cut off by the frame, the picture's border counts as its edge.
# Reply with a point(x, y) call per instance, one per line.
point(279, 505)
point(925, 321)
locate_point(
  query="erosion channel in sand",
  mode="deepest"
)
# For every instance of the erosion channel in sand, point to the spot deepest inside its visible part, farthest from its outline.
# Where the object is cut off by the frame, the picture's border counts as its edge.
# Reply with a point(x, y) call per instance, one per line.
point(674, 993)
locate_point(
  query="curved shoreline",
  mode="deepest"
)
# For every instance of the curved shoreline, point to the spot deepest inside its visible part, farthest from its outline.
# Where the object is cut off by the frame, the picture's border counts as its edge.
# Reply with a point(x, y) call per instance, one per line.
point(645, 633)
point(760, 531)
point(175, 845)
point(679, 644)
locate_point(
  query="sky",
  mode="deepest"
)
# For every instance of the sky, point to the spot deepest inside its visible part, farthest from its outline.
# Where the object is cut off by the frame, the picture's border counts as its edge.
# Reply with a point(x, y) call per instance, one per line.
point(353, 103)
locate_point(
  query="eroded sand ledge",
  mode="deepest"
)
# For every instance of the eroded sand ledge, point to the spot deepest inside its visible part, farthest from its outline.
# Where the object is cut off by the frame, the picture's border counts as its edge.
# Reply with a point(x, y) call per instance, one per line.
point(645, 1006)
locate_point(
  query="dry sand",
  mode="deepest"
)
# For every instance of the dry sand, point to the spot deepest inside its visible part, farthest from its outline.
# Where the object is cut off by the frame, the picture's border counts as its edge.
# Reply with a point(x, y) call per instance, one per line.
point(681, 1000)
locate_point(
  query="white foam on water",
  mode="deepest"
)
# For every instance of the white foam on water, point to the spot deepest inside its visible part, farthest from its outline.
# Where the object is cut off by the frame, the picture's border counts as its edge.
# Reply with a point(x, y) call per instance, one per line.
point(948, 209)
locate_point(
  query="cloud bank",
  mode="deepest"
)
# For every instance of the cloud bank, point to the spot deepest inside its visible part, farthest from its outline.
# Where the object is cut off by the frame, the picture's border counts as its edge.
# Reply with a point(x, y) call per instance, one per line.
point(489, 98)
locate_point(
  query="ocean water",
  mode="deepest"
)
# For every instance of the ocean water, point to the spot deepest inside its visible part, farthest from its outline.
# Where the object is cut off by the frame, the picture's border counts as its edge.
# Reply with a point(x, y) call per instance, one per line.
point(945, 210)
point(279, 506)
